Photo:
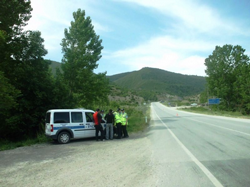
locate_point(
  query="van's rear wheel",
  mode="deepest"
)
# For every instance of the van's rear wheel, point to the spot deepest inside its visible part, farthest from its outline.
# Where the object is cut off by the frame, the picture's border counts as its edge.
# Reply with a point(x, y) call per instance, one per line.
point(64, 137)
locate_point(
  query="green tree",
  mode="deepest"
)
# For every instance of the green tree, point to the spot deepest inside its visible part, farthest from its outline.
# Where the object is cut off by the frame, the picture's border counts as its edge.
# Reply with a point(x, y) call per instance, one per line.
point(14, 15)
point(60, 93)
point(204, 97)
point(225, 68)
point(28, 72)
point(242, 89)
point(8, 95)
point(27, 83)
point(82, 49)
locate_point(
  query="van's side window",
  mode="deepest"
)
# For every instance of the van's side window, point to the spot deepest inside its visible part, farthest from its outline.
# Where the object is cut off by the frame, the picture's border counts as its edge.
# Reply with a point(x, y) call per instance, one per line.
point(89, 116)
point(76, 117)
point(61, 117)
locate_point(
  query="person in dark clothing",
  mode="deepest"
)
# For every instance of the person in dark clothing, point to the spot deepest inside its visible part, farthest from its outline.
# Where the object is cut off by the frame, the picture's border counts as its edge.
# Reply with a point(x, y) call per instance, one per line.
point(109, 117)
point(98, 127)
point(114, 126)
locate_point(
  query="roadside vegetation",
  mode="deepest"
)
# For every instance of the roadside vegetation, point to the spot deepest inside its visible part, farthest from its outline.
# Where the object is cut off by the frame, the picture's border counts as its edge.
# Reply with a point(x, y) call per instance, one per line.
point(214, 110)
point(134, 106)
point(7, 144)
point(137, 123)
point(228, 78)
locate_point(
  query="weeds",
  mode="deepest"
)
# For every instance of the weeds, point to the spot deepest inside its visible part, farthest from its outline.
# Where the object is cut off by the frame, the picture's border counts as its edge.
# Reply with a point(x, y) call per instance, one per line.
point(6, 144)
point(215, 111)
point(136, 123)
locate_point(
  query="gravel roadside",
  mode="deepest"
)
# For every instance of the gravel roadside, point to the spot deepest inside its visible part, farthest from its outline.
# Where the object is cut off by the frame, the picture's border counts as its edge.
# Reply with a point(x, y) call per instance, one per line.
point(125, 162)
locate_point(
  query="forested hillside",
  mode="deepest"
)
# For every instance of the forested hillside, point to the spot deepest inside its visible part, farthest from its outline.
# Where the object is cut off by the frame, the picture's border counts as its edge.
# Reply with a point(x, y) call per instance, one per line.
point(156, 80)
point(161, 81)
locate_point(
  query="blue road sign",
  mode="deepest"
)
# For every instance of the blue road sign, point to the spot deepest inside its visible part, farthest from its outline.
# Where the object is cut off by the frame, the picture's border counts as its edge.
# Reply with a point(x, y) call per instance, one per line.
point(215, 101)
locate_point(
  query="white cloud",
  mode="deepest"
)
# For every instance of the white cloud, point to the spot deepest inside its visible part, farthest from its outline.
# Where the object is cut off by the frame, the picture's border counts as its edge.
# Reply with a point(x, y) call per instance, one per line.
point(176, 55)
point(58, 12)
point(193, 65)
point(52, 17)
point(100, 28)
point(192, 14)
point(183, 52)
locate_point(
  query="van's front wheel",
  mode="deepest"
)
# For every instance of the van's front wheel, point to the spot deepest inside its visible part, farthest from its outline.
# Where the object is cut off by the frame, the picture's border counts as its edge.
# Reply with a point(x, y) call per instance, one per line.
point(64, 137)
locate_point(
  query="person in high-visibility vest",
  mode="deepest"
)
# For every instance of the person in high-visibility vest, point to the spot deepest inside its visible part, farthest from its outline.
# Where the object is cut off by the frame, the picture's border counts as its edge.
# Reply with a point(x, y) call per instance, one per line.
point(118, 121)
point(124, 124)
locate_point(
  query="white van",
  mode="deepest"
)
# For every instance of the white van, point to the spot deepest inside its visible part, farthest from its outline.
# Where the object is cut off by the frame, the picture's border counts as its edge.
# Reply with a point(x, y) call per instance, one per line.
point(63, 124)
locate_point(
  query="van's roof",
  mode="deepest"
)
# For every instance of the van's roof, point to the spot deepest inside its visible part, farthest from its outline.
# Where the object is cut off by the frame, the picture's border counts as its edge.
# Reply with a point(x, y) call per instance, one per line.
point(69, 110)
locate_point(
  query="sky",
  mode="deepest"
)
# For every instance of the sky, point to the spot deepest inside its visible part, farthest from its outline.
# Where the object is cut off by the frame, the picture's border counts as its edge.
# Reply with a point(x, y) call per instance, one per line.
point(173, 35)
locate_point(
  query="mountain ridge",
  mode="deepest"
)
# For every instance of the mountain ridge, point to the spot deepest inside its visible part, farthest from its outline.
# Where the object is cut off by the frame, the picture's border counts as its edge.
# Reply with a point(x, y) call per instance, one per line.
point(158, 80)
point(155, 80)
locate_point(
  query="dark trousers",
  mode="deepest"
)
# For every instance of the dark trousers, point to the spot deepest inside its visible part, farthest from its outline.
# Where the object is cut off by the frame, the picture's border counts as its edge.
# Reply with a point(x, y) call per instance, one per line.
point(119, 130)
point(124, 131)
point(115, 129)
point(99, 128)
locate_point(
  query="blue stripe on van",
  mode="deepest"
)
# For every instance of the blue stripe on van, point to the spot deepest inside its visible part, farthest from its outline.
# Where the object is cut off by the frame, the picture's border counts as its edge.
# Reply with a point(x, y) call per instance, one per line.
point(70, 127)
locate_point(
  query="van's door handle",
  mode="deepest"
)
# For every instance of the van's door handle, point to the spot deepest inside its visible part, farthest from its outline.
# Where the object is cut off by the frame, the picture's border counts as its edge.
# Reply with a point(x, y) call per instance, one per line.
point(80, 124)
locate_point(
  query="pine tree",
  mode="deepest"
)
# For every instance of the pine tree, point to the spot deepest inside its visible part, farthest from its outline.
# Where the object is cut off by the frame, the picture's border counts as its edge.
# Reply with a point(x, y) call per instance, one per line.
point(82, 49)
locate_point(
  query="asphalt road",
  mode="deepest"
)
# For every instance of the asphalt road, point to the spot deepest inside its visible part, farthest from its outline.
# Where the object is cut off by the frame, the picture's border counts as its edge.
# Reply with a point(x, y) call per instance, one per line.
point(178, 149)
point(199, 150)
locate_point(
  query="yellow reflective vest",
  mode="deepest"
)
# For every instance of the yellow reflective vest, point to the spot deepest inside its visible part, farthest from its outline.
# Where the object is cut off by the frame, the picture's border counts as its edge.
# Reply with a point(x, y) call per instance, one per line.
point(118, 118)
point(124, 118)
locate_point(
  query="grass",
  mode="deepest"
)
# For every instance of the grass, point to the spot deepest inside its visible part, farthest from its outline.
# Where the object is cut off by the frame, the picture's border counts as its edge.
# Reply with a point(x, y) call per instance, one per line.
point(137, 122)
point(136, 117)
point(6, 144)
point(214, 111)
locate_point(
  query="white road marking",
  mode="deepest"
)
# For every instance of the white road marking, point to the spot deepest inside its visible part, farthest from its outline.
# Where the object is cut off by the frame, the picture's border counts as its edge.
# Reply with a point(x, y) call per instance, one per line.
point(195, 160)
point(221, 127)
point(247, 134)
